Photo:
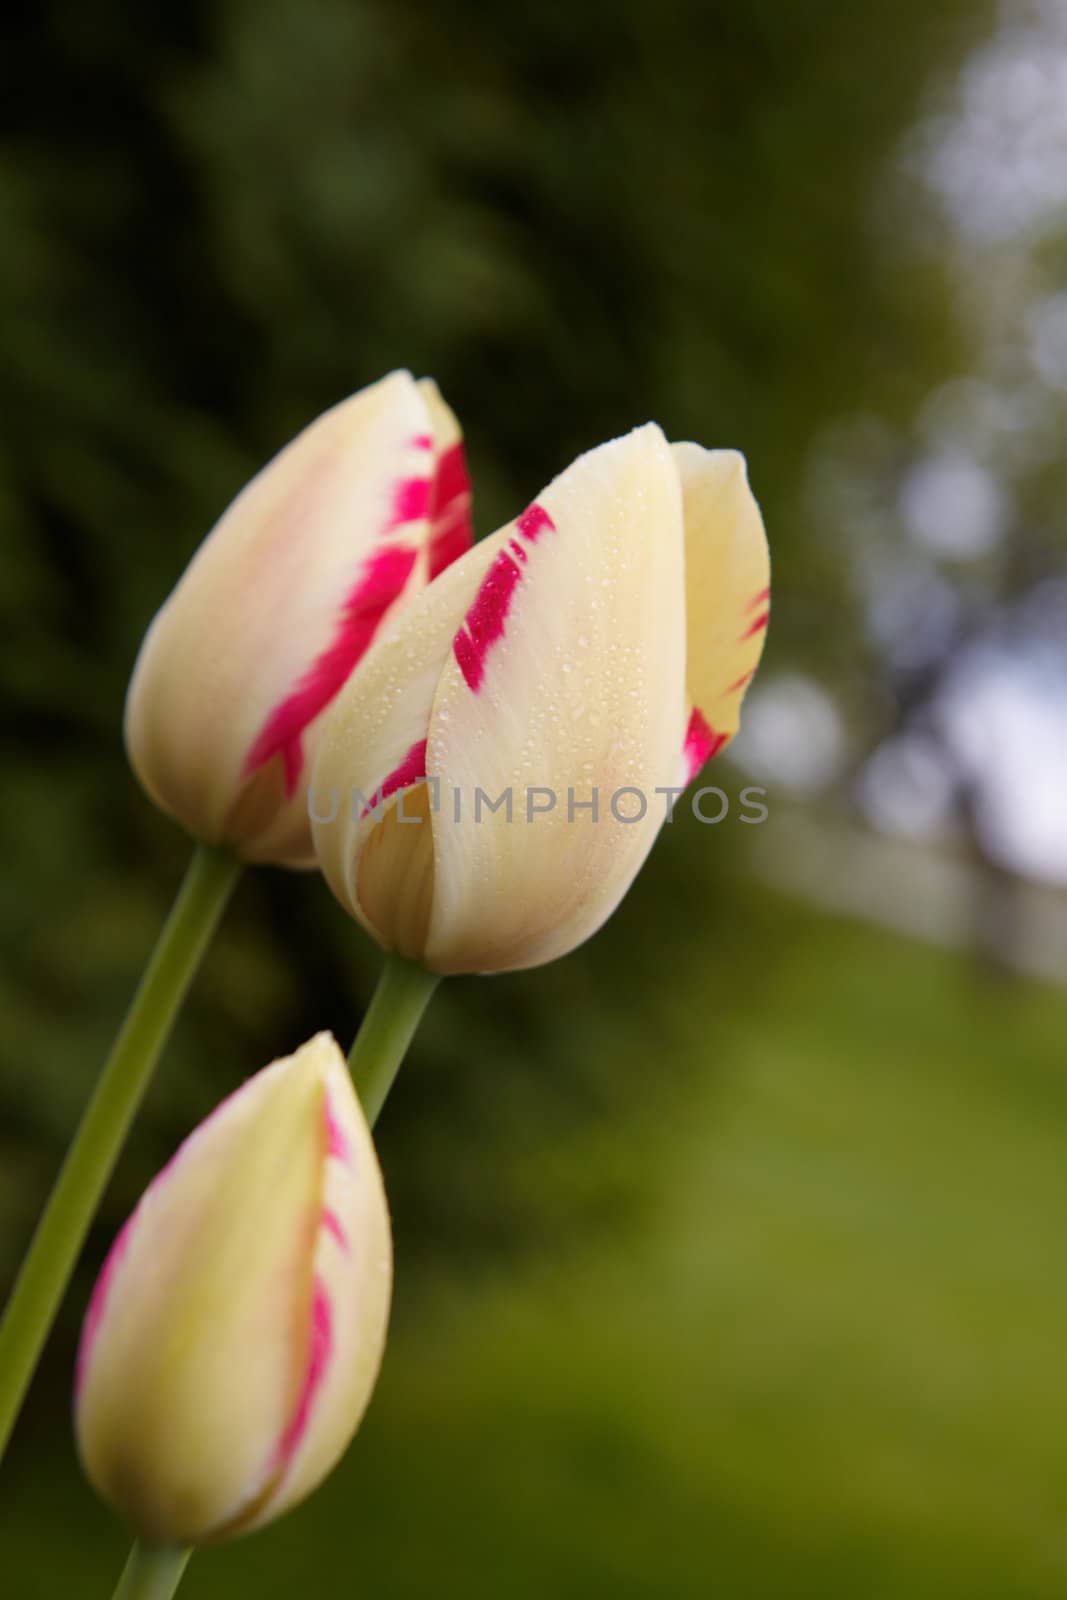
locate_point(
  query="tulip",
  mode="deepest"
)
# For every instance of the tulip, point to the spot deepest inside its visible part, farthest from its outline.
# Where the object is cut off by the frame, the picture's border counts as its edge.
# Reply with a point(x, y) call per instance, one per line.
point(278, 607)
point(577, 668)
point(235, 1332)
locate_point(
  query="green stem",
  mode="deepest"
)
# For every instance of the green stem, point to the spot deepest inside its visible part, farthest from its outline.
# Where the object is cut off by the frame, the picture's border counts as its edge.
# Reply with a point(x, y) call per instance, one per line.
point(403, 993)
point(61, 1231)
point(151, 1574)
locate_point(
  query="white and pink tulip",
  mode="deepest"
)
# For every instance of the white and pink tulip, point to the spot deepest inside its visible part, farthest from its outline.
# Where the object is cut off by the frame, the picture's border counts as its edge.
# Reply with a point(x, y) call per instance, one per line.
point(600, 644)
point(280, 604)
point(235, 1332)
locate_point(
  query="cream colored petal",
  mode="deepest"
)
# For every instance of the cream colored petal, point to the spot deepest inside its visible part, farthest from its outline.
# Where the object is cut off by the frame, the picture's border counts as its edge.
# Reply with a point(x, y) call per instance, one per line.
point(267, 618)
point(195, 1345)
point(567, 676)
point(351, 1289)
point(374, 732)
point(727, 587)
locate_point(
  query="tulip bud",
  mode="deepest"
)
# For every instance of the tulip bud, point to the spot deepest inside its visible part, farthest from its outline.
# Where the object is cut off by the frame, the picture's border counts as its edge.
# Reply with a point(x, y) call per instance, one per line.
point(279, 605)
point(235, 1331)
point(486, 798)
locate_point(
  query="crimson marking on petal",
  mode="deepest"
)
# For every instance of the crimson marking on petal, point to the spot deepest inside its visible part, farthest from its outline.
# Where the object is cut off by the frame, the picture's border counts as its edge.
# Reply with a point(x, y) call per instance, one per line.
point(422, 441)
point(381, 580)
point(484, 622)
point(759, 599)
point(336, 1139)
point(452, 478)
point(98, 1301)
point(739, 683)
point(410, 770)
point(533, 522)
point(320, 1348)
point(701, 743)
point(516, 549)
point(757, 626)
point(411, 502)
point(451, 534)
point(334, 1226)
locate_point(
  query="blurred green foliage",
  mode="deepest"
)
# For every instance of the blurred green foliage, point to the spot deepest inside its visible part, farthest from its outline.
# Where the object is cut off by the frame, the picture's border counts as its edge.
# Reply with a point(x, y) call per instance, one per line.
point(826, 1361)
point(726, 1246)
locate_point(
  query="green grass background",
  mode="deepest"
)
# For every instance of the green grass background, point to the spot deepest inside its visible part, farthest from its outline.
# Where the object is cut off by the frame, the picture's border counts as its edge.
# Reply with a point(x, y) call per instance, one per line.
point(824, 1356)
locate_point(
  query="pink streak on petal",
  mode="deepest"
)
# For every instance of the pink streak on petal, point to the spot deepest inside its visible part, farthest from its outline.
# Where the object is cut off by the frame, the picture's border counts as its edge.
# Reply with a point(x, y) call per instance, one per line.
point(516, 549)
point(756, 627)
point(410, 770)
point(701, 743)
point(452, 478)
point(320, 1348)
point(98, 1301)
point(336, 1139)
point(333, 1225)
point(411, 502)
point(484, 623)
point(739, 683)
point(422, 441)
point(381, 581)
point(533, 522)
point(451, 534)
point(759, 599)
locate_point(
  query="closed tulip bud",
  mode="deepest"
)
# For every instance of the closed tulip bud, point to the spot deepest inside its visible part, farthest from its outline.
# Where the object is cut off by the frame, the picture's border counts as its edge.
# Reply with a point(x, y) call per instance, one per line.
point(235, 1332)
point(278, 606)
point(486, 798)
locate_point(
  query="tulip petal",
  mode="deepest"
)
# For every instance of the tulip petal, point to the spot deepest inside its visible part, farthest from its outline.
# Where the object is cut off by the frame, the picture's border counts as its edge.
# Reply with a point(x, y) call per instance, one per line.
point(451, 534)
point(567, 675)
point(727, 595)
point(701, 744)
point(382, 580)
point(373, 742)
point(223, 1323)
point(274, 611)
point(349, 1306)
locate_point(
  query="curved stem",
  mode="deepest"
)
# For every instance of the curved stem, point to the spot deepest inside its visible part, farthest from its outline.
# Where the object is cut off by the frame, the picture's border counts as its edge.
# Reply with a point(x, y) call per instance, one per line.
point(65, 1221)
point(151, 1574)
point(403, 993)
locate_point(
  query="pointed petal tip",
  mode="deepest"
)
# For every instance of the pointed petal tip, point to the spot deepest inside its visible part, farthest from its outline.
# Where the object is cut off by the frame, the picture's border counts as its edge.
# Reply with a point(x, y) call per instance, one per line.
point(320, 1055)
point(648, 436)
point(722, 462)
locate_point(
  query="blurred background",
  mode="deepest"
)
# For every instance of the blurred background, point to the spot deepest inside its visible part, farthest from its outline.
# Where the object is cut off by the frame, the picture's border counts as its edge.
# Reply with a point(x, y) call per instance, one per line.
point(731, 1249)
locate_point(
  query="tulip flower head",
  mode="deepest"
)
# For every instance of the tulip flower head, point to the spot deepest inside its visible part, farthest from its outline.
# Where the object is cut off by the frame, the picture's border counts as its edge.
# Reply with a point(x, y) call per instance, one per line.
point(235, 1332)
point(279, 605)
point(576, 669)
